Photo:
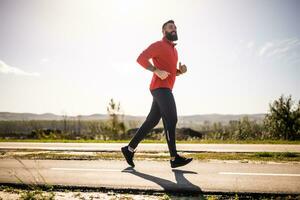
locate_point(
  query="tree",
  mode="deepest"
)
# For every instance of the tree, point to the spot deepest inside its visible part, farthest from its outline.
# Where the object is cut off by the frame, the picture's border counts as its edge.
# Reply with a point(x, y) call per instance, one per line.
point(117, 126)
point(65, 122)
point(283, 119)
point(79, 124)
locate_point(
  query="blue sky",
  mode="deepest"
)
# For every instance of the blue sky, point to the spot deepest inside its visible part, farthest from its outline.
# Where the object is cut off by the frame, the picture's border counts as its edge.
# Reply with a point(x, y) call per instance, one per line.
point(64, 56)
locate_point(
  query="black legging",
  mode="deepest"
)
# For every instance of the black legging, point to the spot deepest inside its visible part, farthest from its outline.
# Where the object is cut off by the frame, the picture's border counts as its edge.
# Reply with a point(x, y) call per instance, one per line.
point(163, 106)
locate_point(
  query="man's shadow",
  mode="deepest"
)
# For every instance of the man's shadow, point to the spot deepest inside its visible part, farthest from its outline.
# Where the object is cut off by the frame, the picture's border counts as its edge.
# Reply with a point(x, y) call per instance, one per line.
point(182, 185)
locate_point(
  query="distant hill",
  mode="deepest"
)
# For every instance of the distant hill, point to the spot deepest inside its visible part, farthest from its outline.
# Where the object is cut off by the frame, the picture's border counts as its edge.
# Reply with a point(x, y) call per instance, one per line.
point(182, 120)
point(200, 119)
point(8, 116)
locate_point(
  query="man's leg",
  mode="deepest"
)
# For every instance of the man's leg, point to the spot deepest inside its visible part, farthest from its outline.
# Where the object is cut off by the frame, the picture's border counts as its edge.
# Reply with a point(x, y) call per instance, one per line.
point(150, 122)
point(167, 106)
point(165, 99)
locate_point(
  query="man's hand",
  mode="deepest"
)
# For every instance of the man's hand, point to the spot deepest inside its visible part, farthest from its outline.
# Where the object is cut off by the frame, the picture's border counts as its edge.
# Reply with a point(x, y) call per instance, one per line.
point(182, 68)
point(161, 74)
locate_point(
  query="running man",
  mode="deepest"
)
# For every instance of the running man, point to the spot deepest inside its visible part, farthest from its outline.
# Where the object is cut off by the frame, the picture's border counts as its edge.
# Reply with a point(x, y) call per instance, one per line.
point(164, 57)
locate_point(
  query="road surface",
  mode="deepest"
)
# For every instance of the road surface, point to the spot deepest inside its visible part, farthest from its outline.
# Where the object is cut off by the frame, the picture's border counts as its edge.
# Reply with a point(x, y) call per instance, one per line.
point(198, 176)
point(96, 147)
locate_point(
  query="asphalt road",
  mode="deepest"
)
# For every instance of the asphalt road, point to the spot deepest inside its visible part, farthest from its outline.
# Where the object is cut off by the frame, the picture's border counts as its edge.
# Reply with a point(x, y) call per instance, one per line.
point(149, 147)
point(198, 176)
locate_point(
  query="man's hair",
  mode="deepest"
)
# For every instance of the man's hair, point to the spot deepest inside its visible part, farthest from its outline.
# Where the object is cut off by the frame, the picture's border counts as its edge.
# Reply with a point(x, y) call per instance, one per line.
point(164, 25)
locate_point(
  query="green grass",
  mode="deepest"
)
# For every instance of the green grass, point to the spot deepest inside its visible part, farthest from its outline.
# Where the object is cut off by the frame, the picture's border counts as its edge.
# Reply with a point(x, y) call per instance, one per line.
point(259, 156)
point(37, 195)
point(29, 194)
point(158, 141)
point(244, 157)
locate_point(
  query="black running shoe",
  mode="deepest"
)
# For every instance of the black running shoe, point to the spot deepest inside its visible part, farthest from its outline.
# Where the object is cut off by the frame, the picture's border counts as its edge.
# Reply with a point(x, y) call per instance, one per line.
point(128, 155)
point(180, 161)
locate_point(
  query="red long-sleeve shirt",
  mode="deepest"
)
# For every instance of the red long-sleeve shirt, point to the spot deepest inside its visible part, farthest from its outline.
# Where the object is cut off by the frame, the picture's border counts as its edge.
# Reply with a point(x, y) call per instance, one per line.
point(164, 56)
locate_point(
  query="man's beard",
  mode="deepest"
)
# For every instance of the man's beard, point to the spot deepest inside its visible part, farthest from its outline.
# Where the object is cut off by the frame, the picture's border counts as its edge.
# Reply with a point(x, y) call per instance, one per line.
point(171, 37)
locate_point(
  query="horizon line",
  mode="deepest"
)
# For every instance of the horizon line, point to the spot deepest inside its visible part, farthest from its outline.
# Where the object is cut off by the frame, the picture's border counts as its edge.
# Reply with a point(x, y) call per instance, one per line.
point(1, 112)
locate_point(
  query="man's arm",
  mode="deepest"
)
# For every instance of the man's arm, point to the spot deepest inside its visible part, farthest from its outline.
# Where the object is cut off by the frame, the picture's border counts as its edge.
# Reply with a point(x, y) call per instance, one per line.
point(151, 67)
point(182, 69)
point(160, 73)
point(149, 53)
point(178, 72)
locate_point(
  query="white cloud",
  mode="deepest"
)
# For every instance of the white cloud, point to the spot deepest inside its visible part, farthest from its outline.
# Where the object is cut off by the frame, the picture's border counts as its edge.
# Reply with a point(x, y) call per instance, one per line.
point(6, 69)
point(265, 48)
point(280, 47)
